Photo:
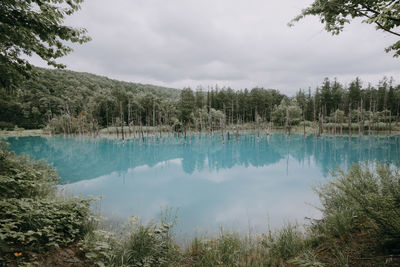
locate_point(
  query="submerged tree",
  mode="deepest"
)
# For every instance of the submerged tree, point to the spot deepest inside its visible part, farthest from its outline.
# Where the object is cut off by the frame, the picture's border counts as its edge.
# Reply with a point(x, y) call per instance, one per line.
point(30, 27)
point(385, 14)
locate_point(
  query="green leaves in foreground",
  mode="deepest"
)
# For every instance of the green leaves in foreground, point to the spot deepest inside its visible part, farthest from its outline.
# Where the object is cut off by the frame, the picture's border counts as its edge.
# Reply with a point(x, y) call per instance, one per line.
point(41, 224)
point(361, 212)
point(34, 27)
point(32, 217)
point(135, 244)
point(384, 14)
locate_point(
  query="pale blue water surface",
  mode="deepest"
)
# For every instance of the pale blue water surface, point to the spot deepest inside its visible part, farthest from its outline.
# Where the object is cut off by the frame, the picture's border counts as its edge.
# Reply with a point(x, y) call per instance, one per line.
point(243, 184)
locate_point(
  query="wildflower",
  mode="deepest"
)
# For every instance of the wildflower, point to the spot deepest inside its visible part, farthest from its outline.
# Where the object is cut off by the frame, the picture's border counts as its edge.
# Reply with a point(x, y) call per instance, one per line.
point(17, 254)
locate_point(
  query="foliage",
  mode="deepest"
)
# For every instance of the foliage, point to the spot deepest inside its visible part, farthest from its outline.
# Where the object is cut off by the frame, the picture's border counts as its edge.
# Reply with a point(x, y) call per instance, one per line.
point(134, 245)
point(32, 217)
point(22, 178)
point(70, 102)
point(361, 206)
point(285, 243)
point(385, 14)
point(34, 27)
point(186, 105)
point(233, 249)
point(288, 111)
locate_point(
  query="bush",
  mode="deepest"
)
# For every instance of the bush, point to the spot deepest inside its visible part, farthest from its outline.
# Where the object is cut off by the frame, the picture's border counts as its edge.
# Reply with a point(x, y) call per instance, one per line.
point(8, 126)
point(284, 244)
point(361, 212)
point(22, 178)
point(32, 218)
point(135, 244)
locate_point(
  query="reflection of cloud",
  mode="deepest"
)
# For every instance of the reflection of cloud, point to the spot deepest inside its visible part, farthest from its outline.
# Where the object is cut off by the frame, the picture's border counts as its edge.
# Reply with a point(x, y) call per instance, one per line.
point(251, 208)
point(87, 184)
point(177, 161)
point(233, 184)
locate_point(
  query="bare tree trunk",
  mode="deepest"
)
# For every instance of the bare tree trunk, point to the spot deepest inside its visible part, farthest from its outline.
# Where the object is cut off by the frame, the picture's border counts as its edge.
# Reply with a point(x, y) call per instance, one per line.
point(358, 121)
point(350, 119)
point(335, 122)
point(287, 121)
point(141, 130)
point(369, 122)
point(159, 123)
point(129, 117)
point(304, 123)
point(362, 118)
point(341, 124)
point(116, 127)
point(122, 120)
point(321, 125)
point(222, 130)
point(107, 116)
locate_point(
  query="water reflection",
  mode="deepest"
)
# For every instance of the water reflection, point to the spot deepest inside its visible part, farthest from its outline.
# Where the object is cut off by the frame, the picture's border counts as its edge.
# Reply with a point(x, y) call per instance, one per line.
point(235, 184)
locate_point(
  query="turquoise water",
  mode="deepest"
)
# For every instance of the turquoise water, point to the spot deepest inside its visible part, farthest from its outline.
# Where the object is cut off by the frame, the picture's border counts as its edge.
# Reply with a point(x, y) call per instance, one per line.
point(244, 183)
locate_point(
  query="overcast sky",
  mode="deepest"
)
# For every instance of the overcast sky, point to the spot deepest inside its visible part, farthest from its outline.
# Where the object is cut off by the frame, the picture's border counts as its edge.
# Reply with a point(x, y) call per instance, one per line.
point(236, 43)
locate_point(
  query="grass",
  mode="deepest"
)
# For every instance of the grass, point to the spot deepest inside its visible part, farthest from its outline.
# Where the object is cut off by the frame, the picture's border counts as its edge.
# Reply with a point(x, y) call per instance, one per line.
point(360, 226)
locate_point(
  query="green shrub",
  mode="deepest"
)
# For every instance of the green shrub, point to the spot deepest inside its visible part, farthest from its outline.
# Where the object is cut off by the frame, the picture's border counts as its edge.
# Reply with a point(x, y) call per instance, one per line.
point(285, 243)
point(41, 224)
point(369, 199)
point(228, 249)
point(32, 218)
point(101, 248)
point(135, 244)
point(8, 126)
point(361, 213)
point(22, 178)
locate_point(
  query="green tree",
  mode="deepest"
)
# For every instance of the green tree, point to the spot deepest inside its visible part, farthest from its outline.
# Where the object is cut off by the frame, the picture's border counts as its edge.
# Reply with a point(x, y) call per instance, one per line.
point(385, 14)
point(337, 95)
point(30, 27)
point(187, 105)
point(288, 111)
point(355, 93)
point(326, 97)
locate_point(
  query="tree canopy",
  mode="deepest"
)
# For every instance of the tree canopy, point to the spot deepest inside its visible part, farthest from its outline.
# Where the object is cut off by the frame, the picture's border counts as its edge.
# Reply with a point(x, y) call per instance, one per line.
point(30, 27)
point(385, 14)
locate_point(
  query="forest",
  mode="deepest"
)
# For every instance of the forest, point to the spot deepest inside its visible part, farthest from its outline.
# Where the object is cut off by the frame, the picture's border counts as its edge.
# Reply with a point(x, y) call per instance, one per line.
point(70, 102)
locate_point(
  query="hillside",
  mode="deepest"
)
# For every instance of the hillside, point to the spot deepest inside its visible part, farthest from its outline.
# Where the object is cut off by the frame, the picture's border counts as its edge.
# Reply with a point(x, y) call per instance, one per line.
point(54, 92)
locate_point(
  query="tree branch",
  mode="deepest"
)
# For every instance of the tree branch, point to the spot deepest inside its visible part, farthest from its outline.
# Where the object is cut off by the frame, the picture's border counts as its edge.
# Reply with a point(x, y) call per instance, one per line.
point(377, 23)
point(387, 30)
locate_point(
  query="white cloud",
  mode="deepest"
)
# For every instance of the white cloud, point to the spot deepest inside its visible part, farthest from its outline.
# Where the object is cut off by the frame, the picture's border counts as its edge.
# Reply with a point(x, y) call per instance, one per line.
point(233, 43)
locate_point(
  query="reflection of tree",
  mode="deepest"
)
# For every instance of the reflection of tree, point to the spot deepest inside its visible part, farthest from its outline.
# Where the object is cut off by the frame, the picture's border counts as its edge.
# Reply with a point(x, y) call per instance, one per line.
point(86, 158)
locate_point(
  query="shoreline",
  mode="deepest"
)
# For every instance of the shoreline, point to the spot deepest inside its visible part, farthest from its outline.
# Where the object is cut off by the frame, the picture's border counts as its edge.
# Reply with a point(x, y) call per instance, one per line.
point(106, 133)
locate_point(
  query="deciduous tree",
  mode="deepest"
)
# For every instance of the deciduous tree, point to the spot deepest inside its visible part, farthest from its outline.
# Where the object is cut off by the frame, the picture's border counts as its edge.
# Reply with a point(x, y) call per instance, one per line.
point(30, 27)
point(384, 14)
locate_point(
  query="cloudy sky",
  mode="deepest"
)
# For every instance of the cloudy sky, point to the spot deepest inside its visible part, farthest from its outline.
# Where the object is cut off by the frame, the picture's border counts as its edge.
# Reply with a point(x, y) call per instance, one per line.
point(236, 43)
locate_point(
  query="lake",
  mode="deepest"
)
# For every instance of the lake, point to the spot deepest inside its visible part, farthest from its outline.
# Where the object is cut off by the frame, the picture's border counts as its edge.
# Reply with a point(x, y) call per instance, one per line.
point(247, 182)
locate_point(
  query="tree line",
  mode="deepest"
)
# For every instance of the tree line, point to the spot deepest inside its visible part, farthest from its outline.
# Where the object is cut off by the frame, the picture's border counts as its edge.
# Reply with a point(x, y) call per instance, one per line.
point(70, 102)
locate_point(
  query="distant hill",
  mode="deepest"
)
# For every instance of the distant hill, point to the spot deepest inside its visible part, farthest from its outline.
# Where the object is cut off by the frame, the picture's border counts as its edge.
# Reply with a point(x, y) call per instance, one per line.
point(91, 82)
point(52, 92)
